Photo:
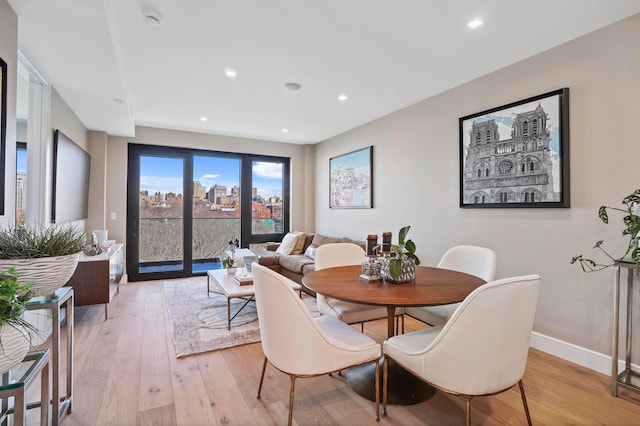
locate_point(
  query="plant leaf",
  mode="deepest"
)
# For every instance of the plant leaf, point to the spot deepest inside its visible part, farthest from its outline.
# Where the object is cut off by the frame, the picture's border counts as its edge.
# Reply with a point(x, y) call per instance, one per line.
point(602, 214)
point(598, 244)
point(403, 234)
point(395, 267)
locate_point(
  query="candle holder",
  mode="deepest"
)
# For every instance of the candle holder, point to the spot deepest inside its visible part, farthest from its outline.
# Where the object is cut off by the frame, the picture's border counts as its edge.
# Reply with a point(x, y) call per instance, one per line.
point(371, 270)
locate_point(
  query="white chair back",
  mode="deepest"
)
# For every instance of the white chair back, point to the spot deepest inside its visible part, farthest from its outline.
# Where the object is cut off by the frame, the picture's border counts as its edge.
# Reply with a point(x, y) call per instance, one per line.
point(473, 260)
point(483, 348)
point(291, 339)
point(339, 254)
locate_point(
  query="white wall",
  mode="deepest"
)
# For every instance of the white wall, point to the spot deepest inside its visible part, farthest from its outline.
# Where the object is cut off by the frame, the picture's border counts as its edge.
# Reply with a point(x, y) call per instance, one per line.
point(416, 177)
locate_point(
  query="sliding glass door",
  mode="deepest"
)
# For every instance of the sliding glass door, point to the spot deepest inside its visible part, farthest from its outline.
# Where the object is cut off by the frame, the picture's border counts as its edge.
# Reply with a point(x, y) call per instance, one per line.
point(183, 206)
point(216, 208)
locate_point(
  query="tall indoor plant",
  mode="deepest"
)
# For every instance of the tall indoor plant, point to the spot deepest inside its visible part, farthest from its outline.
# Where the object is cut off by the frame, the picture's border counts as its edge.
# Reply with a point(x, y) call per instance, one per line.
point(631, 223)
point(48, 256)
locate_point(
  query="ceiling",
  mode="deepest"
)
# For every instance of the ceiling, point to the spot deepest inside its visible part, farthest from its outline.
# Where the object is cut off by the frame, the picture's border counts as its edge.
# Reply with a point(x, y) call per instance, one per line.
point(116, 70)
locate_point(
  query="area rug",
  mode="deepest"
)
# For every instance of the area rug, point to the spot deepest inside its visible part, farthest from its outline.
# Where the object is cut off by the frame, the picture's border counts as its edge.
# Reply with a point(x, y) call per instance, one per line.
point(199, 321)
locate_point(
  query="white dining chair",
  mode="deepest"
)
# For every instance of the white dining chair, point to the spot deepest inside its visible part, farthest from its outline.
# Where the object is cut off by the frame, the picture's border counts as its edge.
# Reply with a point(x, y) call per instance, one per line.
point(472, 260)
point(301, 346)
point(481, 350)
point(345, 254)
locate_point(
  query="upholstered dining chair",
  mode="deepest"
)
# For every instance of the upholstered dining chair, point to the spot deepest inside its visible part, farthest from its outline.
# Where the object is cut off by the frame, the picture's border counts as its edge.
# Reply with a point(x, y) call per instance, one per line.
point(345, 254)
point(473, 260)
point(481, 350)
point(301, 346)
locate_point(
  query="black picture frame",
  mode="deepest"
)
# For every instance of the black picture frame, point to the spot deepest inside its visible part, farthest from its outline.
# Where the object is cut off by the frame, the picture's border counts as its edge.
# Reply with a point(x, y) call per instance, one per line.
point(351, 180)
point(3, 131)
point(517, 155)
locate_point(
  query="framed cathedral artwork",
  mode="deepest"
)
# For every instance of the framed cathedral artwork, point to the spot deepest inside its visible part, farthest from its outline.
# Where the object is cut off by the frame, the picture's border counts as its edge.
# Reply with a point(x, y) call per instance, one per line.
point(517, 155)
point(350, 180)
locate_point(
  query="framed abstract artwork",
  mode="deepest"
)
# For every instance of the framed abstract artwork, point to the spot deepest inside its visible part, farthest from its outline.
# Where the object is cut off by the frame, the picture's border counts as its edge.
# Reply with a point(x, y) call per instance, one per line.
point(517, 155)
point(350, 180)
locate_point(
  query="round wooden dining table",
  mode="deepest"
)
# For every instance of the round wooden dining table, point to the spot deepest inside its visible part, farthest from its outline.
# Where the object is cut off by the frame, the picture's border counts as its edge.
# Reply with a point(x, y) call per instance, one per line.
point(432, 286)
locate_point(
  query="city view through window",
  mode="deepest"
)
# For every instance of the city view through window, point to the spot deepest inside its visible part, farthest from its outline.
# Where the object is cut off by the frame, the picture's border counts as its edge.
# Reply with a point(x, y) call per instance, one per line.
point(216, 213)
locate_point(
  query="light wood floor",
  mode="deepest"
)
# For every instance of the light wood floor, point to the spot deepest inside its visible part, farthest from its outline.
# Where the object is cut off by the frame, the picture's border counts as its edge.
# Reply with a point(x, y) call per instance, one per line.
point(126, 373)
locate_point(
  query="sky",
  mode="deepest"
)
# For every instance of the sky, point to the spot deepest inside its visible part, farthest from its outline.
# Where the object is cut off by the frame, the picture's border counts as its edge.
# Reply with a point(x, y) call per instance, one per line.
point(158, 174)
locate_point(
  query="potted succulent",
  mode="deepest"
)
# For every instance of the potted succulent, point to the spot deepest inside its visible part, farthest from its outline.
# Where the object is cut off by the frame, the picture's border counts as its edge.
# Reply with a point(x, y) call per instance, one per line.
point(47, 256)
point(401, 268)
point(15, 332)
point(631, 221)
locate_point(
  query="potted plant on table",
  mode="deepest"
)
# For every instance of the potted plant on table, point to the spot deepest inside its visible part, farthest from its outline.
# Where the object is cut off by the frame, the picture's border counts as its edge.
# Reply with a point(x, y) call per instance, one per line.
point(15, 332)
point(631, 222)
point(229, 260)
point(48, 256)
point(402, 267)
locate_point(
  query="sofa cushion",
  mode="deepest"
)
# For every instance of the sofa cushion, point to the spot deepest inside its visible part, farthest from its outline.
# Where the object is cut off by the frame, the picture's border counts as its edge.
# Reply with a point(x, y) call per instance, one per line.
point(308, 268)
point(288, 244)
point(299, 248)
point(310, 252)
point(319, 240)
point(294, 263)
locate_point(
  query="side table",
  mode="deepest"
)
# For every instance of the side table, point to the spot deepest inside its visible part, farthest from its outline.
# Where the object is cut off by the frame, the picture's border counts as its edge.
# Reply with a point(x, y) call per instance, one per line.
point(628, 378)
point(62, 297)
point(15, 382)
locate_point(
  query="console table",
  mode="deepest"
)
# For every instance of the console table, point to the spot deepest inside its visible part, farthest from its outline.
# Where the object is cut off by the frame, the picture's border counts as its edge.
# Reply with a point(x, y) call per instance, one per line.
point(54, 302)
point(15, 382)
point(97, 278)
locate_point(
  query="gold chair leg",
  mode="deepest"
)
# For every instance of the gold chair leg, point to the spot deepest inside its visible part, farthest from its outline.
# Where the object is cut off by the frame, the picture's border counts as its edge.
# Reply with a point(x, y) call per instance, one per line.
point(293, 385)
point(524, 402)
point(468, 401)
point(385, 378)
point(377, 390)
point(264, 368)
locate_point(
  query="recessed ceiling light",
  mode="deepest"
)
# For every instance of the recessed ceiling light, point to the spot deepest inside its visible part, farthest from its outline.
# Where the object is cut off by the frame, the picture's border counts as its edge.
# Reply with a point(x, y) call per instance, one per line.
point(152, 17)
point(474, 24)
point(292, 86)
point(342, 97)
point(203, 118)
point(231, 73)
point(285, 130)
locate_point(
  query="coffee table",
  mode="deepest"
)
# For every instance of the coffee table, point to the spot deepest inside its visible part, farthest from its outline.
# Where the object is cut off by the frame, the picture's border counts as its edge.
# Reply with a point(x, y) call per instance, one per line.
point(227, 286)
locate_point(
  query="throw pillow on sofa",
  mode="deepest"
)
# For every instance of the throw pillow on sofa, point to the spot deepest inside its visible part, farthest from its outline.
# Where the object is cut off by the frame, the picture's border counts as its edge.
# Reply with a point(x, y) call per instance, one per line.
point(299, 248)
point(289, 243)
point(310, 252)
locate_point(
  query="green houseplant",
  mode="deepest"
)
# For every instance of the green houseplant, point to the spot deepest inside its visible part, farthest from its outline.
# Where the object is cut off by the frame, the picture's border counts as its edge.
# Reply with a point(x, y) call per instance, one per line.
point(401, 267)
point(46, 255)
point(631, 222)
point(15, 332)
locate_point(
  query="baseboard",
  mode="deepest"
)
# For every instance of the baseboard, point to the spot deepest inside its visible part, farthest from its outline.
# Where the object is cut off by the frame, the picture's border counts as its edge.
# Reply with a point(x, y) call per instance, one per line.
point(577, 354)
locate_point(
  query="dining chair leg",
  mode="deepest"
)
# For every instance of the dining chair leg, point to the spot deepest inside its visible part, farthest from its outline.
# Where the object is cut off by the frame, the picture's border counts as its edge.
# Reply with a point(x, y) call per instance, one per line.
point(524, 402)
point(293, 385)
point(385, 378)
point(264, 368)
point(377, 390)
point(468, 403)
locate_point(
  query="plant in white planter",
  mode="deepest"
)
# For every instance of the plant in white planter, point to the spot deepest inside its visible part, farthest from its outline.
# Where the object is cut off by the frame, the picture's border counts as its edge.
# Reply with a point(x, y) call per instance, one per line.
point(46, 256)
point(402, 267)
point(15, 332)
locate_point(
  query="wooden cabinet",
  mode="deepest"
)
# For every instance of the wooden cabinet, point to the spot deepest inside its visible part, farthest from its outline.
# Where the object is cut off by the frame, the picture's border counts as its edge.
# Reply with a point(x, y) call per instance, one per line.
point(96, 278)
